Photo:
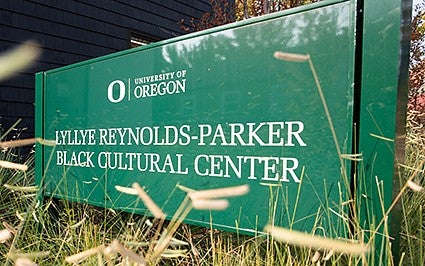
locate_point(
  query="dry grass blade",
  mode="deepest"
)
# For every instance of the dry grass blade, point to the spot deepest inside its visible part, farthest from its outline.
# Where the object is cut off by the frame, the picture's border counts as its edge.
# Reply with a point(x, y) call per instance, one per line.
point(5, 234)
point(177, 242)
point(381, 137)
point(76, 258)
point(46, 142)
point(167, 235)
point(25, 142)
point(316, 257)
point(353, 157)
point(329, 255)
point(118, 247)
point(17, 143)
point(413, 186)
point(21, 189)
point(149, 203)
point(174, 253)
point(24, 262)
point(220, 204)
point(19, 58)
point(315, 242)
point(397, 197)
point(291, 56)
point(20, 216)
point(219, 193)
point(126, 190)
point(410, 168)
point(34, 255)
point(80, 223)
point(16, 166)
point(185, 189)
point(174, 242)
point(9, 227)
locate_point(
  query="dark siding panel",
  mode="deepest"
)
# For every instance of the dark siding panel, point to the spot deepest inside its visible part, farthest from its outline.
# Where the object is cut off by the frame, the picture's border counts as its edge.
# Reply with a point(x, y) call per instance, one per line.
point(75, 30)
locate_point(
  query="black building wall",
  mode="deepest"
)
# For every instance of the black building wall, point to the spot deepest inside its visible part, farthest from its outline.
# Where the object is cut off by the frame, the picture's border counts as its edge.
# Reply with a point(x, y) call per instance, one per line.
point(70, 31)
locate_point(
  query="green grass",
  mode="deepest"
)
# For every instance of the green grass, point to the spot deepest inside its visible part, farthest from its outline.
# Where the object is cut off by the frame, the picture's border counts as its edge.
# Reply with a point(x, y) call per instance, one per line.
point(51, 232)
point(413, 215)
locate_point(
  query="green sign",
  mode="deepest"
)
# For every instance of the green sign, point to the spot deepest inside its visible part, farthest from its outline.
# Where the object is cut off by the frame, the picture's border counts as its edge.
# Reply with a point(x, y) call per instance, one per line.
point(267, 102)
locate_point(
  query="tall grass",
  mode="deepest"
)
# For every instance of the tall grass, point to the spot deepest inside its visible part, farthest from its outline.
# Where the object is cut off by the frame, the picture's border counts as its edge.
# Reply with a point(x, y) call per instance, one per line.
point(58, 232)
point(413, 202)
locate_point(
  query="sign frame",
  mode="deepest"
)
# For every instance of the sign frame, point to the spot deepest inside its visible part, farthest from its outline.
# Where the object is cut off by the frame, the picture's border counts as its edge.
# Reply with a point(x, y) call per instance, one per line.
point(385, 97)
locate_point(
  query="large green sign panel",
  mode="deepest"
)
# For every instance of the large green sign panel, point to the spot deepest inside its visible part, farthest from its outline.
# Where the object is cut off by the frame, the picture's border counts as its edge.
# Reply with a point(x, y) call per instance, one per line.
point(213, 109)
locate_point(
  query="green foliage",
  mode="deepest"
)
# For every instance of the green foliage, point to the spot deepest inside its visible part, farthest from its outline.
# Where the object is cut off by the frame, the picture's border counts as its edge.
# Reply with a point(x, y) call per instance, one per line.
point(225, 11)
point(253, 8)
